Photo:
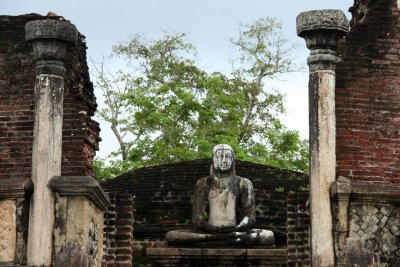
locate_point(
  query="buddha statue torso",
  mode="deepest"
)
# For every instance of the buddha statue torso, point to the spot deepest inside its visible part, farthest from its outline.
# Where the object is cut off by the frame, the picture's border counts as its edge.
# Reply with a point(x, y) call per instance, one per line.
point(223, 210)
point(222, 207)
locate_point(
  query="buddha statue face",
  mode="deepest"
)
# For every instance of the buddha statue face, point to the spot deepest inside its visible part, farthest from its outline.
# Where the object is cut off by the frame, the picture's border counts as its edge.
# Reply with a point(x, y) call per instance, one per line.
point(223, 158)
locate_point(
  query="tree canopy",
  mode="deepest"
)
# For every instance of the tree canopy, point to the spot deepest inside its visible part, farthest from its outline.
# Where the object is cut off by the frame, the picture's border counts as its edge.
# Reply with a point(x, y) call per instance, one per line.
point(163, 107)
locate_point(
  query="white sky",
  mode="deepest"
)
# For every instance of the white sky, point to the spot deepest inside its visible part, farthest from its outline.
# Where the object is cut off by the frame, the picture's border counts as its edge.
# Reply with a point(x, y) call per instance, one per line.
point(207, 22)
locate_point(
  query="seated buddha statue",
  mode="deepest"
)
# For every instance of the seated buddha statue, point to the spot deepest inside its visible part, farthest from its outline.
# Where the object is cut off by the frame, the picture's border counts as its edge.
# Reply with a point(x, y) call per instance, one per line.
point(223, 211)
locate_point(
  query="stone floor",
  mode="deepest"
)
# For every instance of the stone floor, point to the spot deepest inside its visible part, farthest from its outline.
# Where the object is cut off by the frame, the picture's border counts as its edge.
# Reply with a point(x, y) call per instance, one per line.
point(217, 257)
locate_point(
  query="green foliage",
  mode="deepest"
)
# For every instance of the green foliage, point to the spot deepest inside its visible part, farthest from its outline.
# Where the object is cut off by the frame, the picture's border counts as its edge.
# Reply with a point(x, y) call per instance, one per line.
point(175, 111)
point(107, 170)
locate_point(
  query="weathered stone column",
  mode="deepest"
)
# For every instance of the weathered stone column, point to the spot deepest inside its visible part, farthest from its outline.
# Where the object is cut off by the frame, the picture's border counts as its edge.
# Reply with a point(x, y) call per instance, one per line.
point(50, 39)
point(322, 29)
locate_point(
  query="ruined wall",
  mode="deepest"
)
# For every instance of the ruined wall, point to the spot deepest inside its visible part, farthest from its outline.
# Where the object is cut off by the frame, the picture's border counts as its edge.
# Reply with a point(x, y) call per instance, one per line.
point(17, 104)
point(118, 231)
point(298, 226)
point(368, 135)
point(368, 95)
point(17, 81)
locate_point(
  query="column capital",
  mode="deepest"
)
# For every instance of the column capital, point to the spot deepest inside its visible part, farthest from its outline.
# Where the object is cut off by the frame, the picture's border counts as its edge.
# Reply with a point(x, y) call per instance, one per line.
point(322, 30)
point(50, 39)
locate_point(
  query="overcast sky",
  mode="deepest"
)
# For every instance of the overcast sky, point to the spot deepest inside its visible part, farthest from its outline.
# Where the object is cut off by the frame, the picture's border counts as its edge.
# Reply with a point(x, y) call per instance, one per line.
point(208, 24)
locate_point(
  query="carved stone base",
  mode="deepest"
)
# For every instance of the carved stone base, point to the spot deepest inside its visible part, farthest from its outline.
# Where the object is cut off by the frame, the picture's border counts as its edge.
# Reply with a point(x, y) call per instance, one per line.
point(217, 257)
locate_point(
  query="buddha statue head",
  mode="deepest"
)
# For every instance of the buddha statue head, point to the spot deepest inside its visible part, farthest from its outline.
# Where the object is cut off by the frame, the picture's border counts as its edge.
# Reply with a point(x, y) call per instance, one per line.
point(223, 160)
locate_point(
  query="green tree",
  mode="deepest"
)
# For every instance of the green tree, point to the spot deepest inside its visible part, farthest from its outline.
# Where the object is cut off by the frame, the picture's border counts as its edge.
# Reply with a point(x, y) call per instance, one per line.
point(176, 111)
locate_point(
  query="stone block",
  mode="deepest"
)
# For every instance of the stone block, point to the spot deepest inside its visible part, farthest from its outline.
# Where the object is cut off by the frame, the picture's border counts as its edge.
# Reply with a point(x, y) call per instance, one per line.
point(355, 254)
point(71, 255)
point(79, 220)
point(8, 231)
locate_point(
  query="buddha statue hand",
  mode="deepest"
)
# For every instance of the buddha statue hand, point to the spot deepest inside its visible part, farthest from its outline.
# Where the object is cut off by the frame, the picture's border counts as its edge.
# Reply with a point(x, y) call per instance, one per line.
point(226, 229)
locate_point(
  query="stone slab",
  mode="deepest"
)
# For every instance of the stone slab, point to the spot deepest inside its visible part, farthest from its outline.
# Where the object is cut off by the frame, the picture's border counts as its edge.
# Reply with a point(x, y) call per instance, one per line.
point(15, 188)
point(51, 29)
point(8, 231)
point(217, 257)
point(79, 220)
point(371, 192)
point(81, 186)
point(326, 19)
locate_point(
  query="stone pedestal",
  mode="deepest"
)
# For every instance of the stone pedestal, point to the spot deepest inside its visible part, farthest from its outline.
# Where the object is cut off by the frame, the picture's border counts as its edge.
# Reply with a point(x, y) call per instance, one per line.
point(78, 230)
point(217, 257)
point(50, 39)
point(322, 29)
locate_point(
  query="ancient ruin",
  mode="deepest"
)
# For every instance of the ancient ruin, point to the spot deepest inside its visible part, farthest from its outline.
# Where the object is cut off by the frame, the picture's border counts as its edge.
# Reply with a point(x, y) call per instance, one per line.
point(367, 127)
point(48, 139)
point(54, 212)
point(163, 203)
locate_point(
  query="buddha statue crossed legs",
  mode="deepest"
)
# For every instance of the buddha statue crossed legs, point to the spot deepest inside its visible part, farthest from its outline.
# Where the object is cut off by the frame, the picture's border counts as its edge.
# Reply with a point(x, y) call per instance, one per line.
point(223, 209)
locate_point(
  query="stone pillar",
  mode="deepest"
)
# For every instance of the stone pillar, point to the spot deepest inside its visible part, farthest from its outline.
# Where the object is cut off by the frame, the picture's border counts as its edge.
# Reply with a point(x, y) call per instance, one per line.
point(322, 29)
point(50, 39)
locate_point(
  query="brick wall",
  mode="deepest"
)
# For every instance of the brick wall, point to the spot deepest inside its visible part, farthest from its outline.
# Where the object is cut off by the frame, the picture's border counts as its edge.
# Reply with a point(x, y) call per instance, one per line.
point(163, 194)
point(368, 95)
point(109, 233)
point(16, 98)
point(368, 123)
point(298, 224)
point(17, 80)
point(118, 231)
